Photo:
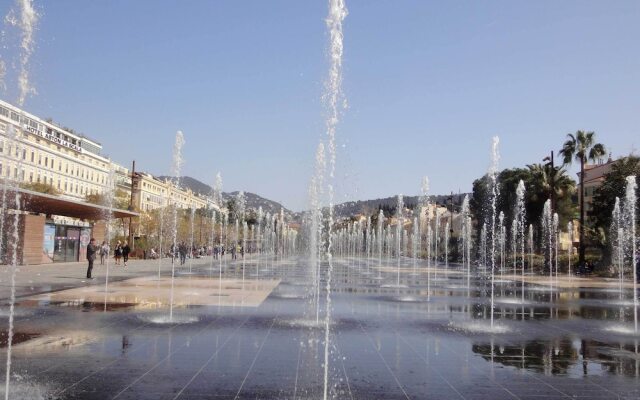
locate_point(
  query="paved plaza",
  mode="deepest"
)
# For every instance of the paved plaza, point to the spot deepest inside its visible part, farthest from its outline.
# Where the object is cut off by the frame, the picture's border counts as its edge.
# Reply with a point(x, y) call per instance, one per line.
point(219, 336)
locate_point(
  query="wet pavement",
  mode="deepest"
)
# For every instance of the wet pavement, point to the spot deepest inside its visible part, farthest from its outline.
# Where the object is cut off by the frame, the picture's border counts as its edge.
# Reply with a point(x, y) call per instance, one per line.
point(429, 339)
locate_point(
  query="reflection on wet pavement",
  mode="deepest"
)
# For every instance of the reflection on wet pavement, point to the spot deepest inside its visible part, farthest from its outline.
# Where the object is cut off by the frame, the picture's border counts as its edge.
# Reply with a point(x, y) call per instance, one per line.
point(156, 293)
point(261, 340)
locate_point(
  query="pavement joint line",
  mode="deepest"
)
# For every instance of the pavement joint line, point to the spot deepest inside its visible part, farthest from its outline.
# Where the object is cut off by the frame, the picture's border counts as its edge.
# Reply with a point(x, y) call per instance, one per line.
point(170, 354)
point(256, 357)
point(395, 377)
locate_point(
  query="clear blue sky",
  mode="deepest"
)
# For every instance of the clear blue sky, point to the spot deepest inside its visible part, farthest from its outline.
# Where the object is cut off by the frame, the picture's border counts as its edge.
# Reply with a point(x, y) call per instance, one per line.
point(428, 85)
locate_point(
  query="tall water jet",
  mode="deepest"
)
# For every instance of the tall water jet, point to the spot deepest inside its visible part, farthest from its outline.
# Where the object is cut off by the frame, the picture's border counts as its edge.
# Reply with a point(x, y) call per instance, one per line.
point(399, 226)
point(315, 233)
point(465, 220)
point(617, 243)
point(26, 22)
point(521, 219)
point(501, 241)
point(556, 236)
point(414, 242)
point(514, 245)
point(337, 14)
point(483, 246)
point(259, 239)
point(379, 227)
point(570, 249)
point(547, 234)
point(630, 207)
point(175, 185)
point(244, 246)
point(530, 247)
point(192, 217)
point(446, 244)
point(437, 235)
point(108, 216)
point(495, 191)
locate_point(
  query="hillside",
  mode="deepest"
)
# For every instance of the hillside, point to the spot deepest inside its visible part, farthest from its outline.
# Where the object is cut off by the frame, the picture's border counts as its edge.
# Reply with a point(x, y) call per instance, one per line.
point(253, 200)
point(369, 206)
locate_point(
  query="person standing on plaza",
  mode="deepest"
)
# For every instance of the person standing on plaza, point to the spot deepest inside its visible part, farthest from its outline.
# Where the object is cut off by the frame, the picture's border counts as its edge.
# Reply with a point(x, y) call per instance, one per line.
point(125, 252)
point(117, 253)
point(104, 252)
point(182, 249)
point(91, 256)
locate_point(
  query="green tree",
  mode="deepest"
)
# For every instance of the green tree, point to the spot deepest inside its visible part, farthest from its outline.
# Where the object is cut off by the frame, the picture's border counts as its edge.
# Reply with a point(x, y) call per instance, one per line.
point(539, 191)
point(582, 148)
point(40, 188)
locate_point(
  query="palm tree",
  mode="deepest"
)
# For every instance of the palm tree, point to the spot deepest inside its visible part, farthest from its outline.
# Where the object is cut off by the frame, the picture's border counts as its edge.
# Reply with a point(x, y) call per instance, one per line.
point(546, 182)
point(582, 148)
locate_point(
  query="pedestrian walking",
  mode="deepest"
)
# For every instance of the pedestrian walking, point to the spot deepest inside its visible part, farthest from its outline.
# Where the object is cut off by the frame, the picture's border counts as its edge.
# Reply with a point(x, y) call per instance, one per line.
point(92, 249)
point(125, 252)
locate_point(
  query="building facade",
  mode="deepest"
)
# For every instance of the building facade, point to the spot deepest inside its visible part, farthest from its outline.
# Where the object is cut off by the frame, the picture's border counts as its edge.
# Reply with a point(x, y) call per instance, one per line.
point(150, 193)
point(33, 150)
point(594, 176)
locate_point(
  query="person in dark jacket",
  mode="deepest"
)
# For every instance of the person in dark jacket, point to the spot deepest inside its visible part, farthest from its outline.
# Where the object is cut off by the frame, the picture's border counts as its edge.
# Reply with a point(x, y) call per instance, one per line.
point(182, 249)
point(92, 249)
point(117, 253)
point(125, 253)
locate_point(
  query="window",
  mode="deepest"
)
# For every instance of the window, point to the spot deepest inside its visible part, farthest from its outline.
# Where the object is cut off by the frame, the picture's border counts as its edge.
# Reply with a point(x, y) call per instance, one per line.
point(1, 147)
point(46, 161)
point(33, 154)
point(24, 154)
point(39, 159)
point(31, 176)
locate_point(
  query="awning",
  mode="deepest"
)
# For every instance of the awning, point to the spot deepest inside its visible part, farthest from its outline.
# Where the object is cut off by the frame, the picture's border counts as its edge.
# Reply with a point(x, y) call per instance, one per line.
point(55, 205)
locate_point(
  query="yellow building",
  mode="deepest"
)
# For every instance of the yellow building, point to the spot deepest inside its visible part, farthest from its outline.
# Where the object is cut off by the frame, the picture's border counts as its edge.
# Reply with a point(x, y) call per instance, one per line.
point(150, 193)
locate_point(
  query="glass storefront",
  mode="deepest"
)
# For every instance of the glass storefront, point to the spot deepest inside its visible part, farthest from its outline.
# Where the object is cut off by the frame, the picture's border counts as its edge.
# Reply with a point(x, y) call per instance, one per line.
point(70, 243)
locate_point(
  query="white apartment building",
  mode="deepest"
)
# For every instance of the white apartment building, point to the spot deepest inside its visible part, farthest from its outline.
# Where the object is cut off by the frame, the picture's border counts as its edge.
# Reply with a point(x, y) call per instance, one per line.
point(42, 152)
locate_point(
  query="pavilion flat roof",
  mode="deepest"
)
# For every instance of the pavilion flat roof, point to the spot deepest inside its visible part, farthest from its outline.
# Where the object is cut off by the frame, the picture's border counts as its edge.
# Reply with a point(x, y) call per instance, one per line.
point(55, 205)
